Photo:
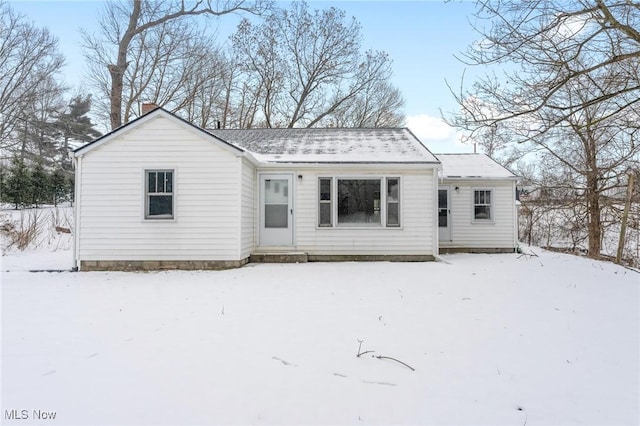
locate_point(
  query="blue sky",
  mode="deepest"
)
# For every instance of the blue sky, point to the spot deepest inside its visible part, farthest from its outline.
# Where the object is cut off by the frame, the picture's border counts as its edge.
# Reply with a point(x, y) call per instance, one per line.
point(421, 37)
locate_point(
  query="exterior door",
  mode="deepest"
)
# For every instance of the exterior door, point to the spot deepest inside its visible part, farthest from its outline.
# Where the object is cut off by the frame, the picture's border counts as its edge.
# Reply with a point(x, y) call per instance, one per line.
point(276, 210)
point(444, 216)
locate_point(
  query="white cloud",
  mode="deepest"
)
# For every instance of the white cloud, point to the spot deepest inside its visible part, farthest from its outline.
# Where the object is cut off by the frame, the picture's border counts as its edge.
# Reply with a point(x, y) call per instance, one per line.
point(437, 135)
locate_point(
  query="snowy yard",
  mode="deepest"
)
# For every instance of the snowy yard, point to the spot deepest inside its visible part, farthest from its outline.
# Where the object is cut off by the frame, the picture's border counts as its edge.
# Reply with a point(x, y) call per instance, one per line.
point(493, 339)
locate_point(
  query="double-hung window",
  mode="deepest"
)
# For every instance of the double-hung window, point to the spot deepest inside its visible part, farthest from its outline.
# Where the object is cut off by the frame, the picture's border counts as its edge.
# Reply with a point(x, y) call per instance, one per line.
point(393, 201)
point(358, 202)
point(159, 194)
point(482, 209)
point(325, 212)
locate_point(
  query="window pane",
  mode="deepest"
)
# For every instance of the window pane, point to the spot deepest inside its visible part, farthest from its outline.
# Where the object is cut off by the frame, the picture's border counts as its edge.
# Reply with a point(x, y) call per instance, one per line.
point(443, 218)
point(160, 205)
point(359, 201)
point(482, 212)
point(393, 218)
point(442, 198)
point(276, 215)
point(276, 191)
point(169, 182)
point(152, 181)
point(325, 214)
point(160, 182)
point(325, 189)
point(392, 189)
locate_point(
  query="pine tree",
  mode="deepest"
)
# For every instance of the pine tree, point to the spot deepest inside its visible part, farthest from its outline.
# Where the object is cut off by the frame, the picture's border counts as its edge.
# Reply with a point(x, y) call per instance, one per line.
point(40, 185)
point(17, 188)
point(59, 187)
point(75, 125)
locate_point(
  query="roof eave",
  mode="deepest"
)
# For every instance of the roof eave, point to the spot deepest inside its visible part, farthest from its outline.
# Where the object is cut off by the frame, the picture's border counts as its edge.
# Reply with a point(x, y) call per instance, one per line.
point(80, 151)
point(347, 164)
point(481, 177)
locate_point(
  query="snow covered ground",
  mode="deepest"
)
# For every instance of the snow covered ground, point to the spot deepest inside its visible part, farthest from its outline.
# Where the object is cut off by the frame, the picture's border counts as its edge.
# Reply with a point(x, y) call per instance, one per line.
point(494, 339)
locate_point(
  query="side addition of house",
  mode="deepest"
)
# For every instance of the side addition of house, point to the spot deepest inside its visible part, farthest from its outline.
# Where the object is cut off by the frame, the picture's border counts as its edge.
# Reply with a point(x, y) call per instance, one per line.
point(477, 209)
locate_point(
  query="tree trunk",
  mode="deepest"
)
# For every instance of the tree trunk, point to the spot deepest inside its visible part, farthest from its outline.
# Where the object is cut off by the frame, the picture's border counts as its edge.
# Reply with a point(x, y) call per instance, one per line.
point(593, 212)
point(117, 71)
point(116, 96)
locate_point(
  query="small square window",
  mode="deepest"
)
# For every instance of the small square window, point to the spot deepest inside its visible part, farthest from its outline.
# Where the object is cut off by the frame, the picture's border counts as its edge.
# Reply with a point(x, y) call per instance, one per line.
point(159, 194)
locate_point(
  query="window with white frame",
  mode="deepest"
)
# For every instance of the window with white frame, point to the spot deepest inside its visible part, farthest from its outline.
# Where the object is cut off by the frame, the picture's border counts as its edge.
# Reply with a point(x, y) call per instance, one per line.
point(325, 212)
point(393, 201)
point(159, 194)
point(482, 207)
point(358, 202)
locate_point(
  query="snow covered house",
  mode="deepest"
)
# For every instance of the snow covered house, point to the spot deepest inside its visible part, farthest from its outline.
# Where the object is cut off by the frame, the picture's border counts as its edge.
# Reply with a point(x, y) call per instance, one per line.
point(477, 209)
point(160, 192)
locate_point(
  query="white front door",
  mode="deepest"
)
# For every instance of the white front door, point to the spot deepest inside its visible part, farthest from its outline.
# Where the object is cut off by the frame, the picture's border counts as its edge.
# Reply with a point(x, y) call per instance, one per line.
point(444, 214)
point(276, 210)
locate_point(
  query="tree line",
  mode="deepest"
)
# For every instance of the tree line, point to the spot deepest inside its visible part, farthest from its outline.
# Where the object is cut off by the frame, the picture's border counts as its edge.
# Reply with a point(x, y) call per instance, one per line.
point(282, 67)
point(24, 186)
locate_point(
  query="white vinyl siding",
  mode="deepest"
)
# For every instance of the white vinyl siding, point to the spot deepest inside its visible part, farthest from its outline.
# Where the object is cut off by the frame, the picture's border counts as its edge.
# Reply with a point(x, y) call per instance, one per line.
point(248, 207)
point(207, 215)
point(466, 230)
point(413, 237)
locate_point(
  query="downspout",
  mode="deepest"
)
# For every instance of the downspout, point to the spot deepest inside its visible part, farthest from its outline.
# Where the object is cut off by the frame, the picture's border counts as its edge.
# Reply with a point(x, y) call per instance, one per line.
point(436, 236)
point(516, 222)
point(77, 162)
point(239, 229)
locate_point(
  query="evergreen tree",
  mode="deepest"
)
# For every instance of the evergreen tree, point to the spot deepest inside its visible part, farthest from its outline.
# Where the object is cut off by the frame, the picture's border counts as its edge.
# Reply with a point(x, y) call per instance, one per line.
point(70, 188)
point(3, 184)
point(18, 183)
point(40, 185)
point(75, 125)
point(59, 187)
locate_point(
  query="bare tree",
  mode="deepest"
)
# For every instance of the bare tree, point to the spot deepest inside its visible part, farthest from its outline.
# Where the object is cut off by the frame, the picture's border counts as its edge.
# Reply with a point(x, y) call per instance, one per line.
point(123, 22)
point(303, 66)
point(568, 96)
point(379, 105)
point(29, 58)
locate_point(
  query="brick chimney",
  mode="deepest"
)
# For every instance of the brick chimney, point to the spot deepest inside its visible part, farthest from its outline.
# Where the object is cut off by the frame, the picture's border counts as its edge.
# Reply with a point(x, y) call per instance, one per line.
point(148, 107)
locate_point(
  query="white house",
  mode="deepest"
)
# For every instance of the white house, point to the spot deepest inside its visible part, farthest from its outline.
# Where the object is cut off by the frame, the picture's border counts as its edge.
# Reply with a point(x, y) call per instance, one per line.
point(477, 209)
point(160, 192)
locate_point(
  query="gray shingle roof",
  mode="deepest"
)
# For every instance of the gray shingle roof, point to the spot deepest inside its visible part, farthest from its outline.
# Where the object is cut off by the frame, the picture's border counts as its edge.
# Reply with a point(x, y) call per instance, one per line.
point(472, 166)
point(348, 145)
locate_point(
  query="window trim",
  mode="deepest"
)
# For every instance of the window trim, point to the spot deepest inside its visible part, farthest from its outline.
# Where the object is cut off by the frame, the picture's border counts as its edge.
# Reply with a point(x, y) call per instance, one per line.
point(147, 217)
point(491, 205)
point(382, 181)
